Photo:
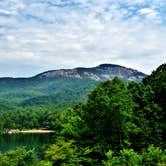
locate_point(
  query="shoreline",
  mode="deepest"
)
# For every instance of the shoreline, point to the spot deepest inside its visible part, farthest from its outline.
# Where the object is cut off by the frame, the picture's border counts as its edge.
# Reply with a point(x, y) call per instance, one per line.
point(31, 131)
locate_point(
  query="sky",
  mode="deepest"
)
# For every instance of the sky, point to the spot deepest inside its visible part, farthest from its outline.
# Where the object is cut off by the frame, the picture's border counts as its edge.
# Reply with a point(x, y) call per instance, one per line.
point(41, 35)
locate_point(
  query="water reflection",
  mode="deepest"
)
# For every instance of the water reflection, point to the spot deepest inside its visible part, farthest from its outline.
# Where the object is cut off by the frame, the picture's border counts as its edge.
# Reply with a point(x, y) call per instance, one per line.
point(13, 141)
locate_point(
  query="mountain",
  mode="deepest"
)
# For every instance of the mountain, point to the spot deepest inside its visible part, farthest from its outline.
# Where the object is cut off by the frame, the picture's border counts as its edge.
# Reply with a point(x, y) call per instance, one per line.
point(61, 88)
point(101, 72)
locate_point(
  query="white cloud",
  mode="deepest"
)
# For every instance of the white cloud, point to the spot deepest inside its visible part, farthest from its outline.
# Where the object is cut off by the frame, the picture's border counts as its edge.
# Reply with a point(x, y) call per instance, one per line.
point(41, 36)
point(150, 13)
point(2, 11)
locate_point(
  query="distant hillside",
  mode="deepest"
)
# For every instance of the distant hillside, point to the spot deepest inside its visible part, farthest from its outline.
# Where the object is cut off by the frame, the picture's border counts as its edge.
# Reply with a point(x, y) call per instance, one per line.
point(63, 87)
point(101, 72)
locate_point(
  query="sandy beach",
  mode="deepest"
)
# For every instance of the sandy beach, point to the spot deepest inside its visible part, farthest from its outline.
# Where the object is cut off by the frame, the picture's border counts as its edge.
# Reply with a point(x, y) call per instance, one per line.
point(30, 131)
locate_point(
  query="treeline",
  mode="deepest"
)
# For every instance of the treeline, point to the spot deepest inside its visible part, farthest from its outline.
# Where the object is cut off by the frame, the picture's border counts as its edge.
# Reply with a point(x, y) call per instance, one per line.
point(119, 124)
point(37, 103)
point(29, 118)
point(126, 157)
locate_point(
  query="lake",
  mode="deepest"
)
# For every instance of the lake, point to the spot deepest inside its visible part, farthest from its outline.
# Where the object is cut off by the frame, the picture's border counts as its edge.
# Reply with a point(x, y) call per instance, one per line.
point(13, 141)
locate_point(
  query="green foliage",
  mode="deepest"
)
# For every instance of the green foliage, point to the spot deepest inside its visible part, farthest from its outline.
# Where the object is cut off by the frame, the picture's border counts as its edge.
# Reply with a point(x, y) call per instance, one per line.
point(108, 113)
point(72, 123)
point(147, 116)
point(27, 91)
point(1, 127)
point(116, 116)
point(30, 118)
point(34, 103)
point(128, 157)
point(120, 124)
point(154, 156)
point(60, 152)
point(67, 153)
point(44, 163)
point(103, 122)
point(157, 81)
point(19, 157)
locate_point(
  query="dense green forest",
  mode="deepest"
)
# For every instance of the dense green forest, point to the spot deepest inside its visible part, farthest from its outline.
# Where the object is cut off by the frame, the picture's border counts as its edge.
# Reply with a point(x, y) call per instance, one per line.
point(119, 124)
point(36, 103)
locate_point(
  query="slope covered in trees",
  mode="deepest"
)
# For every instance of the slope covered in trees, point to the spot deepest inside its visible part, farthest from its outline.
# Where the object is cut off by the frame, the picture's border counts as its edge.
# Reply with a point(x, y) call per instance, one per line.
point(117, 117)
point(119, 124)
point(44, 99)
point(27, 102)
point(118, 120)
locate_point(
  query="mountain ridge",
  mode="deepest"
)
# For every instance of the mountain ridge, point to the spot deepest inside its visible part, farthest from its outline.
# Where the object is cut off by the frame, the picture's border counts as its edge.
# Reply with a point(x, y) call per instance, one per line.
point(61, 88)
point(93, 73)
point(100, 72)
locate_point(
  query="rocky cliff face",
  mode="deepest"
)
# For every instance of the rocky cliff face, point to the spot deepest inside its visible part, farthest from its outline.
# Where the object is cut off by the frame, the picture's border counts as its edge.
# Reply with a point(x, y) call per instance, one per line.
point(101, 72)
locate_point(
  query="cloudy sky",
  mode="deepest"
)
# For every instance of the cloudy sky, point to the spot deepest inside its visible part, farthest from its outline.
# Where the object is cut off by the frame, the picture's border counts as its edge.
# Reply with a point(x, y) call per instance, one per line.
point(39, 35)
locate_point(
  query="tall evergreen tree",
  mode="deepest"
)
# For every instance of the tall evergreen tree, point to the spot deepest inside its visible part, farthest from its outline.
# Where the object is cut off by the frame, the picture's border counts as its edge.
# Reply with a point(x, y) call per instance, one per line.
point(157, 80)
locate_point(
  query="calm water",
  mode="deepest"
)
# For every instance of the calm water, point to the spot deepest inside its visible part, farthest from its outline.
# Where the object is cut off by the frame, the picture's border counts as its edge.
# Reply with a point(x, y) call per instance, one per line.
point(12, 141)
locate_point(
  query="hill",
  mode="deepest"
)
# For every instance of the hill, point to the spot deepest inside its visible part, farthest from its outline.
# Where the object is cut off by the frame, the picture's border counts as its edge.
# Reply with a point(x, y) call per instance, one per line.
point(62, 87)
point(37, 101)
point(101, 72)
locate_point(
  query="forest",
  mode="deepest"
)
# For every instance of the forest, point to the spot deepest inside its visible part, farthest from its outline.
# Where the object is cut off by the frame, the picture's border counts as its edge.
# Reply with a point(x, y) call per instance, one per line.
point(119, 123)
point(35, 103)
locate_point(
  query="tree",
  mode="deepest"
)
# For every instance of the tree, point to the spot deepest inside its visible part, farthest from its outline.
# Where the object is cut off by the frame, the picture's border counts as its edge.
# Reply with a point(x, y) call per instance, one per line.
point(1, 127)
point(127, 157)
point(108, 114)
point(157, 81)
point(104, 121)
point(19, 157)
point(147, 116)
point(67, 153)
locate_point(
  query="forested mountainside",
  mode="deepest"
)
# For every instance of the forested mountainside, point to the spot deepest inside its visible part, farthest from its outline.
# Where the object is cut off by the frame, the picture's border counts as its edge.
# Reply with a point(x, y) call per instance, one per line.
point(54, 90)
point(62, 85)
point(120, 123)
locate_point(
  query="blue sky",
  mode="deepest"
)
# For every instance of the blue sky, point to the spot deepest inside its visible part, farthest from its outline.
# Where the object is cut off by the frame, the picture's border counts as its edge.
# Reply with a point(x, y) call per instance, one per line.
point(39, 35)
